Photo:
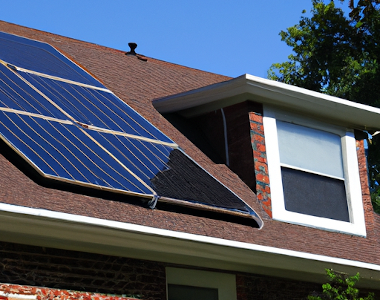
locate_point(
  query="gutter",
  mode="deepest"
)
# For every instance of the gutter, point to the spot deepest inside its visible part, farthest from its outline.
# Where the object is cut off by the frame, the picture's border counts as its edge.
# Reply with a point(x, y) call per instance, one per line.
point(42, 227)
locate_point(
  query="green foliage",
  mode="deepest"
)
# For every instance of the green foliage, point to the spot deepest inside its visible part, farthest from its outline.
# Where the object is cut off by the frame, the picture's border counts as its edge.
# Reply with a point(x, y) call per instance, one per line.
point(374, 171)
point(340, 287)
point(331, 55)
point(338, 55)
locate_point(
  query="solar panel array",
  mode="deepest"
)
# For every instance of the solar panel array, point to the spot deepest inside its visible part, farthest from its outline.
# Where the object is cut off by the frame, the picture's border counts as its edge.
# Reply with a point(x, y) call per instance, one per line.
point(71, 128)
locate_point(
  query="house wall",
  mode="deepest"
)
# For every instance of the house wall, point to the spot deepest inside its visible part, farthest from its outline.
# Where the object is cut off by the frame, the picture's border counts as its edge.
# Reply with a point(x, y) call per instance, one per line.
point(238, 137)
point(254, 164)
point(260, 161)
point(247, 152)
point(246, 145)
point(25, 292)
point(72, 270)
point(24, 267)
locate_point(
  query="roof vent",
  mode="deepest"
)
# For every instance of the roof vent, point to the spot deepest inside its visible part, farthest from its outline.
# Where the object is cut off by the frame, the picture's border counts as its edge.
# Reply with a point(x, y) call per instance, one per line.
point(133, 47)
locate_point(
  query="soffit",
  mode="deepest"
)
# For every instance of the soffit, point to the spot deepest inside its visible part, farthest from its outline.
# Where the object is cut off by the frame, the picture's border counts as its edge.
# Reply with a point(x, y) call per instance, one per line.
point(247, 87)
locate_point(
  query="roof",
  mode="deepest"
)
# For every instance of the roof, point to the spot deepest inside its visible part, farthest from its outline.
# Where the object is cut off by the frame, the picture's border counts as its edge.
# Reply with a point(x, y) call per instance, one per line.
point(248, 87)
point(84, 135)
point(138, 82)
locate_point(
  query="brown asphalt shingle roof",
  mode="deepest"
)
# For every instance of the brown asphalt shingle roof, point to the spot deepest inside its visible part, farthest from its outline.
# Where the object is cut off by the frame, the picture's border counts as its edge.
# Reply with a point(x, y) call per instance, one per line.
point(138, 82)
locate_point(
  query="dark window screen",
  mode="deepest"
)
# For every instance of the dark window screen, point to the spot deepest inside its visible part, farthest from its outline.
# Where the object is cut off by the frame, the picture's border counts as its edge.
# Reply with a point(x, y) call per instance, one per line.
point(314, 195)
point(186, 292)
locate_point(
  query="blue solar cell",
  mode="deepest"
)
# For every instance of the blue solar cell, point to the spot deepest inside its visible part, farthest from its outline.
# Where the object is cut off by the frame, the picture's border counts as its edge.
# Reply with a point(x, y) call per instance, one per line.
point(41, 57)
point(64, 151)
point(16, 94)
point(143, 158)
point(96, 107)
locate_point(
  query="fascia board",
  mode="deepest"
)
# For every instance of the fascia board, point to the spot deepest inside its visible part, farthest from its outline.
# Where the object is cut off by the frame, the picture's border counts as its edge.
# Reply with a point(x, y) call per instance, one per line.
point(247, 87)
point(73, 232)
point(201, 96)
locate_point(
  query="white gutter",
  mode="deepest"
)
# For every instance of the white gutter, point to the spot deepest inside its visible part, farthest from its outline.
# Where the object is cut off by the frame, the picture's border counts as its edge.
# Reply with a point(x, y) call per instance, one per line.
point(248, 87)
point(55, 229)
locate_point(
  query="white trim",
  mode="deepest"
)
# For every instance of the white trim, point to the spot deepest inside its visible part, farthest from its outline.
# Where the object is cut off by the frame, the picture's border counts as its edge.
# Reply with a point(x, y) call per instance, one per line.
point(311, 171)
point(18, 296)
point(66, 218)
point(291, 117)
point(356, 225)
point(225, 283)
point(247, 87)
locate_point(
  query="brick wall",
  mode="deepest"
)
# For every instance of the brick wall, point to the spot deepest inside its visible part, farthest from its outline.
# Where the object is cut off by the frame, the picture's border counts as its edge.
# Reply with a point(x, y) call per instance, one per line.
point(239, 143)
point(72, 270)
point(251, 287)
point(58, 274)
point(260, 161)
point(12, 292)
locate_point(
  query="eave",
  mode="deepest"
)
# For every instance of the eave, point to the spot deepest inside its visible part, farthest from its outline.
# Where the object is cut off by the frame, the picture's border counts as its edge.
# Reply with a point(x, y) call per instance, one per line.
point(73, 232)
point(247, 87)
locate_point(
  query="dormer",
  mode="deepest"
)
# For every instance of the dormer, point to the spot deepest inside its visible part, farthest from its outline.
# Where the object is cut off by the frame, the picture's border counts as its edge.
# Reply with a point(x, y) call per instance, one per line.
point(296, 149)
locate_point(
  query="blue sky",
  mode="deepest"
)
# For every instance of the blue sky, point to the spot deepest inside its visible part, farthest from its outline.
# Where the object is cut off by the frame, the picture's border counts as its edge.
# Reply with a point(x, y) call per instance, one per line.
point(226, 37)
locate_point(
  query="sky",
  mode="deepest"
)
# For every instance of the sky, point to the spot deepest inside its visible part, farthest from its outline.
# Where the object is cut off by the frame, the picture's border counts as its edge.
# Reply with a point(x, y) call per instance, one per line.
point(228, 37)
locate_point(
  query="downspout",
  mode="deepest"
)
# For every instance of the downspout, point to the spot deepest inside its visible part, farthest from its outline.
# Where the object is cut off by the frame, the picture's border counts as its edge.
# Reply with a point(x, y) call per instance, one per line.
point(225, 138)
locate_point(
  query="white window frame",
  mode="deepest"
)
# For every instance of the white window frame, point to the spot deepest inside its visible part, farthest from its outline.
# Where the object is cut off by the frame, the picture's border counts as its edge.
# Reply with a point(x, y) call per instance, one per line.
point(225, 283)
point(356, 225)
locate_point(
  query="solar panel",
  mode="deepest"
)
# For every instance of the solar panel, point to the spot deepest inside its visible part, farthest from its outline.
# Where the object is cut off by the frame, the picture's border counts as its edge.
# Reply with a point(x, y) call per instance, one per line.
point(64, 151)
point(16, 94)
point(42, 58)
point(95, 107)
point(71, 128)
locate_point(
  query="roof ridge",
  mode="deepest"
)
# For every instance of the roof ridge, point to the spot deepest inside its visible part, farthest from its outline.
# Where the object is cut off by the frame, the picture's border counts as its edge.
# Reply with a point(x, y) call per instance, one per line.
point(51, 34)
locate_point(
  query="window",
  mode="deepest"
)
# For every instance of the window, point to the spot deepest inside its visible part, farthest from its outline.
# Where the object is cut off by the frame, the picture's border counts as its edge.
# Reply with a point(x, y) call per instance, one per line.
point(186, 292)
point(313, 172)
point(188, 284)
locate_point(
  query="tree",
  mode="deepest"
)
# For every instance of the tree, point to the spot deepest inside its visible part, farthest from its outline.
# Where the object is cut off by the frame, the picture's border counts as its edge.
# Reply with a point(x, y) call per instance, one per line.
point(340, 287)
point(338, 55)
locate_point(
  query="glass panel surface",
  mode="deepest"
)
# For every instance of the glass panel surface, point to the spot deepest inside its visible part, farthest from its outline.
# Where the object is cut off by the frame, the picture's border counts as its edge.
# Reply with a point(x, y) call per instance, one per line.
point(186, 180)
point(97, 108)
point(41, 57)
point(186, 292)
point(310, 149)
point(169, 172)
point(16, 94)
point(64, 151)
point(314, 195)
point(144, 159)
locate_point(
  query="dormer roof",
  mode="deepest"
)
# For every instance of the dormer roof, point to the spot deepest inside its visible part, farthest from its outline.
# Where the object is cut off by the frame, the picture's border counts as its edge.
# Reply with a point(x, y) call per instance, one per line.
point(284, 96)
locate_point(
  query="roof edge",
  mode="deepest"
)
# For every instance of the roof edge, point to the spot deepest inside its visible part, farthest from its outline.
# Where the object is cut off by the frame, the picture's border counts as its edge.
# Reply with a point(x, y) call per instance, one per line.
point(41, 227)
point(248, 87)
